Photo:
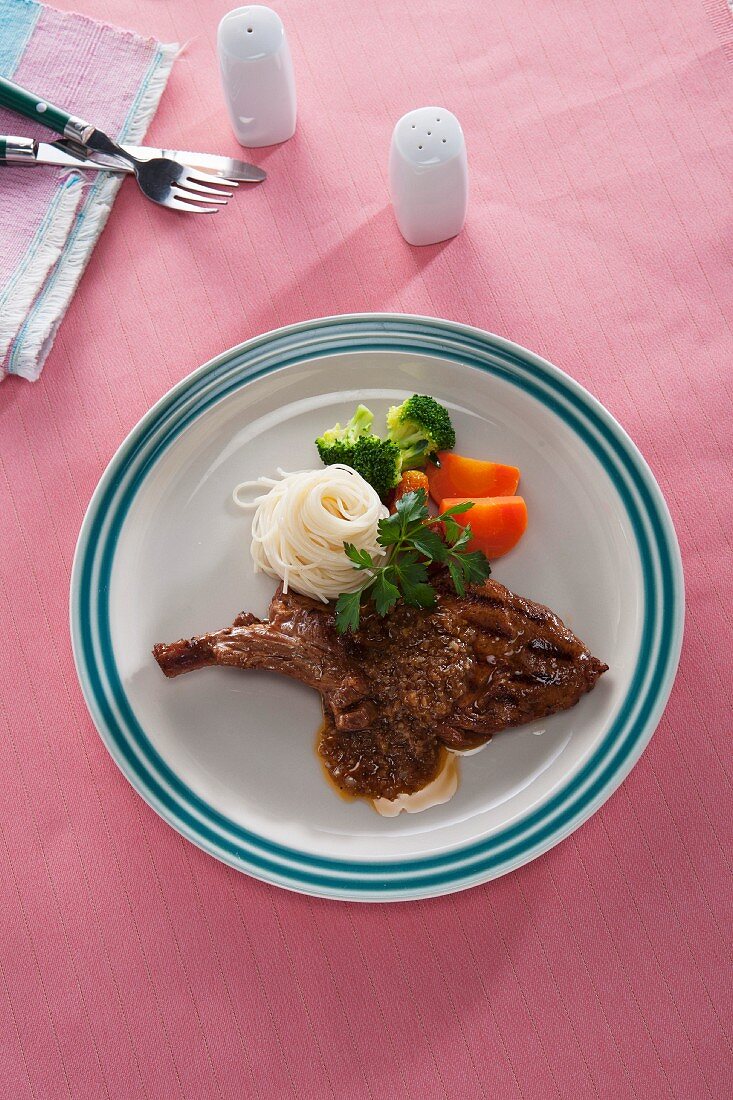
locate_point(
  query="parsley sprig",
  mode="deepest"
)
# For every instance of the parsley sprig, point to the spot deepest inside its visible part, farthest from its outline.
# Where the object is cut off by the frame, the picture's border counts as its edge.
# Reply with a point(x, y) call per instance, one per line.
point(412, 544)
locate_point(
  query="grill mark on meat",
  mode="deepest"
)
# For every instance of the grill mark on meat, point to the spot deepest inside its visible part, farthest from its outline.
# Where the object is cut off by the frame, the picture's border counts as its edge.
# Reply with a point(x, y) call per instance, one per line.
point(406, 685)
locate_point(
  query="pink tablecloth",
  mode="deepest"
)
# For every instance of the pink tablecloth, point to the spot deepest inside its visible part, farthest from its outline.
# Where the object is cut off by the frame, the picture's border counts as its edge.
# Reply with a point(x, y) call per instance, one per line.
point(133, 965)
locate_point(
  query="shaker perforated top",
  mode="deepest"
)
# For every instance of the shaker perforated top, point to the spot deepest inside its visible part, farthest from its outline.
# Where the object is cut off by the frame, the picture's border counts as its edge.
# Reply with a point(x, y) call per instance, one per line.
point(251, 32)
point(429, 136)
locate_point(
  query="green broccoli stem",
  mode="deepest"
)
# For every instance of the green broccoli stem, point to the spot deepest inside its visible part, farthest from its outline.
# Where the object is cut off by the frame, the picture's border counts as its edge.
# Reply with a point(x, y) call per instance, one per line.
point(406, 441)
point(360, 422)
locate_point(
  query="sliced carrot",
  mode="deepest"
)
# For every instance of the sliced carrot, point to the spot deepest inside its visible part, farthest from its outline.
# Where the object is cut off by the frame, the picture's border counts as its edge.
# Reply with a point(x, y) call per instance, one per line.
point(497, 523)
point(470, 477)
point(410, 482)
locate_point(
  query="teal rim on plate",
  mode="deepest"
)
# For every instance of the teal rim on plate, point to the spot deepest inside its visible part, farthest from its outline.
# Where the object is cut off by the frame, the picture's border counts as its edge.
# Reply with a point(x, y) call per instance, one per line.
point(461, 866)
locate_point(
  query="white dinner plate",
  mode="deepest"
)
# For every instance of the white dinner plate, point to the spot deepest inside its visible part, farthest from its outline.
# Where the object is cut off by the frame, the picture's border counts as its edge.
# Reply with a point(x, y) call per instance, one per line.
point(228, 757)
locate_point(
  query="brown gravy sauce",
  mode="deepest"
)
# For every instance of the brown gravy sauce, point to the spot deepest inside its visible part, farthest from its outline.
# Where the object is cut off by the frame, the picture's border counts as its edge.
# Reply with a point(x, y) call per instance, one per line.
point(439, 790)
point(347, 796)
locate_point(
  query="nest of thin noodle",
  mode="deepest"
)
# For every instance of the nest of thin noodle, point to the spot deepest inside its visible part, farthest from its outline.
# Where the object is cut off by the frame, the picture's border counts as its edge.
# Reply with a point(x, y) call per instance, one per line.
point(301, 523)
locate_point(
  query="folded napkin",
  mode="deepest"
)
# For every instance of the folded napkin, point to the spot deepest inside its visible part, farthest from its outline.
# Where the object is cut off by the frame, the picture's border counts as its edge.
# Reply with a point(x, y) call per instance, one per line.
point(50, 218)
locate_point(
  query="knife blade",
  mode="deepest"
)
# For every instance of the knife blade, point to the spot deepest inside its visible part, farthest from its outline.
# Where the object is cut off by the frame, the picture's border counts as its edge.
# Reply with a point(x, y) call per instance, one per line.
point(224, 167)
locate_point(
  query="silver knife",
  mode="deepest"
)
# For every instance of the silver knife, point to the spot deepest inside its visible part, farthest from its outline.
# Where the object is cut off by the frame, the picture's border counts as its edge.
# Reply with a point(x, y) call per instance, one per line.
point(63, 154)
point(225, 167)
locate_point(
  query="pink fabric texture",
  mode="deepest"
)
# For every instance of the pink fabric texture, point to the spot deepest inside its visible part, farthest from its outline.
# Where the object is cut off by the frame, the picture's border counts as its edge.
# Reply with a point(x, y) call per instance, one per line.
point(132, 964)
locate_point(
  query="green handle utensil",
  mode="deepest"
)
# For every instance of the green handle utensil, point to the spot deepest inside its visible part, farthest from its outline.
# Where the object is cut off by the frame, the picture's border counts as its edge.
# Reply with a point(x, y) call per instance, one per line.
point(163, 180)
point(25, 103)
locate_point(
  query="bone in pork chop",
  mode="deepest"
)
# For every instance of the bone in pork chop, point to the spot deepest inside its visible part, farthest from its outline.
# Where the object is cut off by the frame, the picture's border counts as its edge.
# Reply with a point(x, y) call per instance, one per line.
point(412, 683)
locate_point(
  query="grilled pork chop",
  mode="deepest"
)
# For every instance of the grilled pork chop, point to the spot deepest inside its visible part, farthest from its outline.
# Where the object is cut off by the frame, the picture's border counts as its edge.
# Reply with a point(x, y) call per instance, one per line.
point(410, 684)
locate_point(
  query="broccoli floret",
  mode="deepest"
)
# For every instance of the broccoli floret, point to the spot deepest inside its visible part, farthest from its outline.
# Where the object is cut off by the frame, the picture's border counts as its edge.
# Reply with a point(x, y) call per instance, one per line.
point(377, 460)
point(360, 424)
point(420, 427)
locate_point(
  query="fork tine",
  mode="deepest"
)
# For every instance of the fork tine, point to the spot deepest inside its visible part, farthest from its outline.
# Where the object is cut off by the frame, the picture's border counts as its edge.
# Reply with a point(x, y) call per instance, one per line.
point(194, 185)
point(190, 196)
point(202, 176)
point(174, 203)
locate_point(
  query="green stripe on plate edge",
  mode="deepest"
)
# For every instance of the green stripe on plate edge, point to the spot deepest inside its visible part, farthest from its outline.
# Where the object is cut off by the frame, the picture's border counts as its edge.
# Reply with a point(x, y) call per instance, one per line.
point(199, 409)
point(554, 818)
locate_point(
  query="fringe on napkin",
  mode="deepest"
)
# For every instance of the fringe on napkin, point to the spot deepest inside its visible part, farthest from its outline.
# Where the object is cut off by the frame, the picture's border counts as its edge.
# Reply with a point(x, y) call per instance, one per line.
point(39, 286)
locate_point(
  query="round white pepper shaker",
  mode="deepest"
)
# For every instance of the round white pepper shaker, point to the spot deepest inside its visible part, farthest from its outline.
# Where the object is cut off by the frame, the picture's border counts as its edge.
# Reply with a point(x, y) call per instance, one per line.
point(257, 75)
point(428, 175)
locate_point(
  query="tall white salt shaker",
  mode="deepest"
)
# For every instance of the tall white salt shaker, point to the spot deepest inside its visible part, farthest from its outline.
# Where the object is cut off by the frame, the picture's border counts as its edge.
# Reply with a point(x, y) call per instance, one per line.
point(428, 175)
point(257, 75)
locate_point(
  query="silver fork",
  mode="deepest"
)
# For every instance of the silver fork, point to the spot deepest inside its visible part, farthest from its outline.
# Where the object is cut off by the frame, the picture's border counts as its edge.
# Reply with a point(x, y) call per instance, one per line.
point(163, 181)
